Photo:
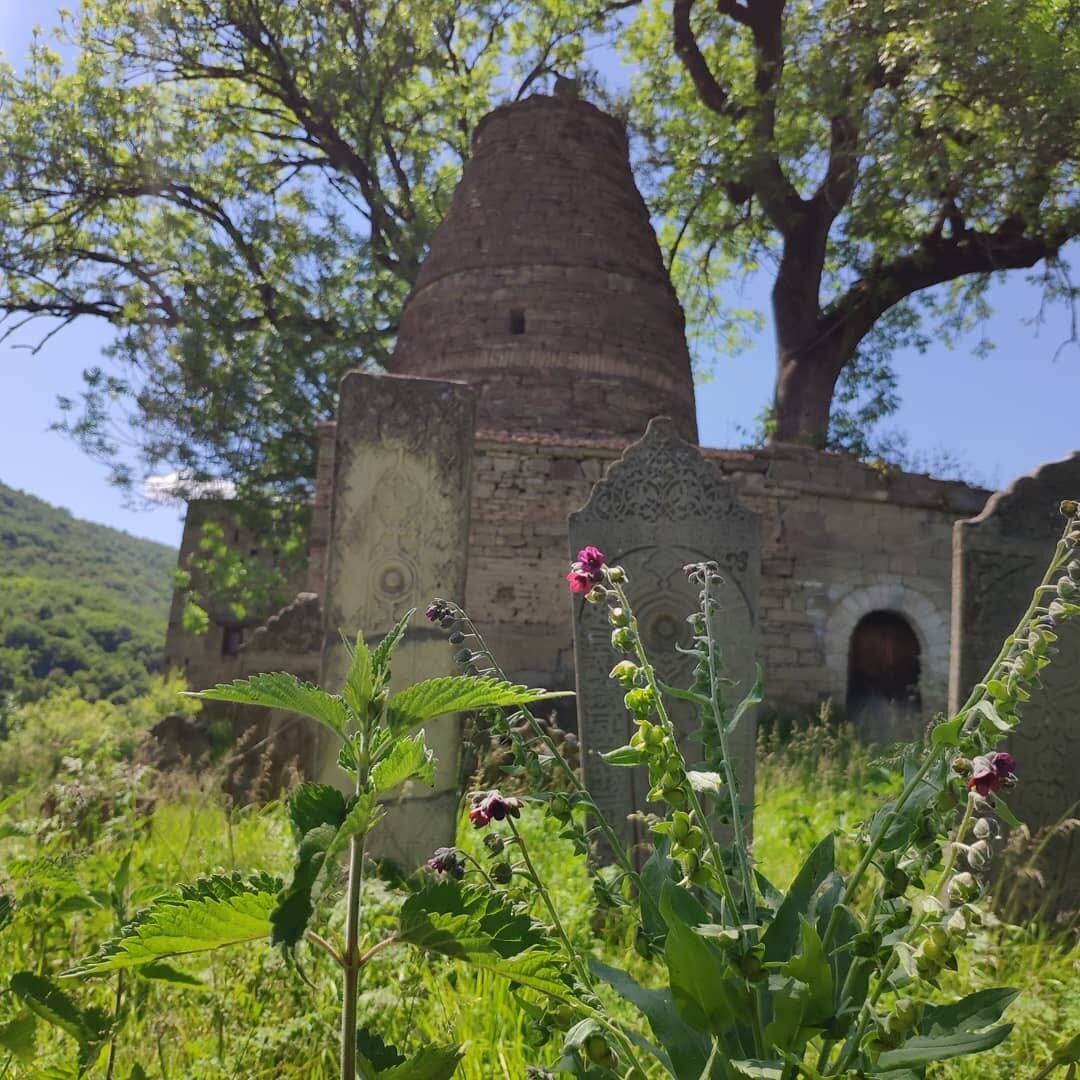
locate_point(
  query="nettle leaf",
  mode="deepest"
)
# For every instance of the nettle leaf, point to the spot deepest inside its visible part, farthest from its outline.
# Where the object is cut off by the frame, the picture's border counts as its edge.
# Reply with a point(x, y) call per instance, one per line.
point(311, 805)
point(317, 812)
point(89, 1027)
point(478, 927)
point(17, 1036)
point(360, 681)
point(167, 973)
point(210, 914)
point(363, 814)
point(782, 937)
point(926, 1049)
point(426, 700)
point(279, 690)
point(378, 1053)
point(380, 658)
point(7, 910)
point(407, 759)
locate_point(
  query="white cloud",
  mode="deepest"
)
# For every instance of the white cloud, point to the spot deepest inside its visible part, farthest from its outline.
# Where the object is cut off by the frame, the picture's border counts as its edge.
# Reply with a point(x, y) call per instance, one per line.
point(173, 487)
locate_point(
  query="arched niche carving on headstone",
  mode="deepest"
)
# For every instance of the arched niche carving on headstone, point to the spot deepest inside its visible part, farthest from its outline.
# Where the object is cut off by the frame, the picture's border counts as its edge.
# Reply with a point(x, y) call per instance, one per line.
point(661, 506)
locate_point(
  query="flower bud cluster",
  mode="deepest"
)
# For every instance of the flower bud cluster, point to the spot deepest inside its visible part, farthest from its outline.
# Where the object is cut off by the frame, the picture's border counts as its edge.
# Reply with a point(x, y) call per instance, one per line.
point(939, 945)
point(898, 1024)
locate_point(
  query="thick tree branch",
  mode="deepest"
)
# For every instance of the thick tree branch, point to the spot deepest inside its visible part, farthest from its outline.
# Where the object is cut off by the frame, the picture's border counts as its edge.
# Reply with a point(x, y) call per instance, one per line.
point(938, 259)
point(712, 94)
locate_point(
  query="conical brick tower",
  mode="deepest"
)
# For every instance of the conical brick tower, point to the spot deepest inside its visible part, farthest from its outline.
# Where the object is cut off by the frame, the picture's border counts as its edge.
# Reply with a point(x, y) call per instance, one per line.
point(545, 288)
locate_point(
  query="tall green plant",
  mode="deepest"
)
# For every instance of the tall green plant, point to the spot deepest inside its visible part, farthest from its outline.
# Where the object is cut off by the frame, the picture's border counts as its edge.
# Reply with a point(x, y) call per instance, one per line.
point(381, 747)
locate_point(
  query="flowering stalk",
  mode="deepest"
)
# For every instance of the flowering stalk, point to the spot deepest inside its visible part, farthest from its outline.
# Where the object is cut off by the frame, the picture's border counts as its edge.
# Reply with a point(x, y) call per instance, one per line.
point(968, 719)
point(449, 614)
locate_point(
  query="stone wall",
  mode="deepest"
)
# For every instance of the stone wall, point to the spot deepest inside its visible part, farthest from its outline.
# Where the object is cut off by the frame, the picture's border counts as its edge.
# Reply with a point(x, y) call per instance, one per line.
point(213, 657)
point(840, 540)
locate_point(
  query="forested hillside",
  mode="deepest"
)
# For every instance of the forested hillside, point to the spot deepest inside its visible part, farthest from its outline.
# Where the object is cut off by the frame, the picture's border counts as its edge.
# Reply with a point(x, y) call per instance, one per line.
point(80, 604)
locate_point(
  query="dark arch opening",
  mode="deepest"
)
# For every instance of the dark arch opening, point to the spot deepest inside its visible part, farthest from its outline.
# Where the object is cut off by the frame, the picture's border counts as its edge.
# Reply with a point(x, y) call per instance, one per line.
point(883, 676)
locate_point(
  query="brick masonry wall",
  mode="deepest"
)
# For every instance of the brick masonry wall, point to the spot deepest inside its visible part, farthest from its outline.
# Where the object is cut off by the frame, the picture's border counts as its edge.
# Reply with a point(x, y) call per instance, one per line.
point(839, 540)
point(544, 287)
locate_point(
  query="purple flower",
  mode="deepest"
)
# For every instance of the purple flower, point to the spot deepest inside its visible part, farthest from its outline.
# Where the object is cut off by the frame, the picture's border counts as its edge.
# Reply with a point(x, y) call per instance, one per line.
point(989, 772)
point(591, 560)
point(586, 571)
point(446, 860)
point(491, 806)
point(437, 611)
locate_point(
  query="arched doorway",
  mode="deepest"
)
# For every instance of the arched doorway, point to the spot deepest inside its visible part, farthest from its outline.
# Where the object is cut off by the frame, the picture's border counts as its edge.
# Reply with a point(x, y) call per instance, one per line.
point(883, 699)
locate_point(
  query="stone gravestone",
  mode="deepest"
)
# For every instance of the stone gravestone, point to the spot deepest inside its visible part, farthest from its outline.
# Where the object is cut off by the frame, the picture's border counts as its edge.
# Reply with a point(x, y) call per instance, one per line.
point(398, 537)
point(661, 506)
point(998, 559)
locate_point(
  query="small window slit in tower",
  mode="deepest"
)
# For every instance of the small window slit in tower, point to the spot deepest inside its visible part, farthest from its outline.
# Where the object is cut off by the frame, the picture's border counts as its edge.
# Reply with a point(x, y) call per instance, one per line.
point(517, 322)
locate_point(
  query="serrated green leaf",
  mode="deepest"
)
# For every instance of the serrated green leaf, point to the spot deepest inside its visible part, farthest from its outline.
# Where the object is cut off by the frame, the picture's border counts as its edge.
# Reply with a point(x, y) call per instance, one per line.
point(317, 812)
point(380, 658)
point(210, 914)
point(407, 759)
point(478, 927)
point(926, 1049)
point(310, 805)
point(360, 679)
point(363, 815)
point(7, 910)
point(431, 1063)
point(43, 997)
point(426, 700)
point(378, 1053)
point(279, 690)
point(17, 1036)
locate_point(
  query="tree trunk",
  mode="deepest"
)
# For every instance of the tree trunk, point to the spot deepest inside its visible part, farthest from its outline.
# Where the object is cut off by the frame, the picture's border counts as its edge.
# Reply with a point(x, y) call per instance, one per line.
point(805, 382)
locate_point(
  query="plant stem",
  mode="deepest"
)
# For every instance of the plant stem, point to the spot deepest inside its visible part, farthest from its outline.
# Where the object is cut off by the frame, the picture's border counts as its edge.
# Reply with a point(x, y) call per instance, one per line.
point(1061, 553)
point(716, 697)
point(351, 965)
point(620, 853)
point(117, 1002)
point(669, 729)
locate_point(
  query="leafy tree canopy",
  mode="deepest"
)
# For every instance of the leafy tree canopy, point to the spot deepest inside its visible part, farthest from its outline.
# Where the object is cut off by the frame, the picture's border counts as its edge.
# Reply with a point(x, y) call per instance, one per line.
point(244, 189)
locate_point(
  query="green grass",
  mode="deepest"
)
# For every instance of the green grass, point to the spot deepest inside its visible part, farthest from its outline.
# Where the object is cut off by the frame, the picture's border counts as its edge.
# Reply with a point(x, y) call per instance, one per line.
point(256, 1016)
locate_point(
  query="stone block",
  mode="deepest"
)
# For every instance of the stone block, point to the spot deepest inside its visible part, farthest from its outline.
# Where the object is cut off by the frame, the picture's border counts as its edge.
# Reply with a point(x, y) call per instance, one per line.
point(660, 507)
point(999, 557)
point(399, 534)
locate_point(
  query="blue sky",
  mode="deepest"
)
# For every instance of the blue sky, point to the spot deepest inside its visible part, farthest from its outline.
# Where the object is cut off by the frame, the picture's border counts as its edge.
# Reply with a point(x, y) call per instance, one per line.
point(1001, 416)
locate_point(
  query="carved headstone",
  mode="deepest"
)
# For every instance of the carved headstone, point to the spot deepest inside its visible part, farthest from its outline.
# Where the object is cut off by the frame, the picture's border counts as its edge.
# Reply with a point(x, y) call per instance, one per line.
point(399, 536)
point(998, 559)
point(661, 506)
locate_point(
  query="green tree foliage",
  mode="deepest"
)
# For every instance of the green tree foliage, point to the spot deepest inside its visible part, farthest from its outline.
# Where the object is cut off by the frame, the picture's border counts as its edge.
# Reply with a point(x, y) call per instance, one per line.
point(81, 605)
point(244, 189)
point(870, 151)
